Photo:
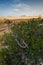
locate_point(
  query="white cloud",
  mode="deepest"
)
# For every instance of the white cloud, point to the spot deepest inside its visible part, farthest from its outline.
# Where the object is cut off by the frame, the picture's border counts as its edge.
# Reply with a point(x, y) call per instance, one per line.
point(21, 6)
point(25, 9)
point(21, 9)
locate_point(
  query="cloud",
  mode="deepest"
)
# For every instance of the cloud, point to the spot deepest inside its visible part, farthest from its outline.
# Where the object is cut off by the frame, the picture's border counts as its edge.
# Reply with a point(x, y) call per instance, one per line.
point(21, 7)
point(17, 8)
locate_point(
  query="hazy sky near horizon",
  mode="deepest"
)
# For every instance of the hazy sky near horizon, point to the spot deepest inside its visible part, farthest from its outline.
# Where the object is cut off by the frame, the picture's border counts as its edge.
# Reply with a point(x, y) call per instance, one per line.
point(21, 7)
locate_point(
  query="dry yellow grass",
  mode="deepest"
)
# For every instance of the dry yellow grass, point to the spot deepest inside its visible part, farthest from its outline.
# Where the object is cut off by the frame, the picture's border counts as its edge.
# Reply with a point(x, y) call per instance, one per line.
point(14, 20)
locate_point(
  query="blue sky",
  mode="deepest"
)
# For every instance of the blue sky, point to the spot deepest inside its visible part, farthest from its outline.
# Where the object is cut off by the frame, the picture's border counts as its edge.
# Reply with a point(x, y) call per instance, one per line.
point(21, 7)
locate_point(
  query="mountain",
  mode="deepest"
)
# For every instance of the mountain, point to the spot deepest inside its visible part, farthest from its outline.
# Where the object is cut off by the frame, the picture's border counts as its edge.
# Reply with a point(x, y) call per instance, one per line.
point(19, 17)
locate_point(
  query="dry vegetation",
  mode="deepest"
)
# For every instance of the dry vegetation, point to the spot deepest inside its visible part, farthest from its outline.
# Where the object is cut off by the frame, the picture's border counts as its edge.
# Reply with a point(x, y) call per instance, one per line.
point(28, 34)
point(14, 20)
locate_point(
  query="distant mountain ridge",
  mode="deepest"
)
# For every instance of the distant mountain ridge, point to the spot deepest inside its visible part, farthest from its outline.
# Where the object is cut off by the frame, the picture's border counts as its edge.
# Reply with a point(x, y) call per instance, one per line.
point(19, 17)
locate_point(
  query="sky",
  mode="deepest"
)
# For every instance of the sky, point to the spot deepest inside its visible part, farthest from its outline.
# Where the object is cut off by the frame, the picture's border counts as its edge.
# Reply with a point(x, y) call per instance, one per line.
point(21, 7)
